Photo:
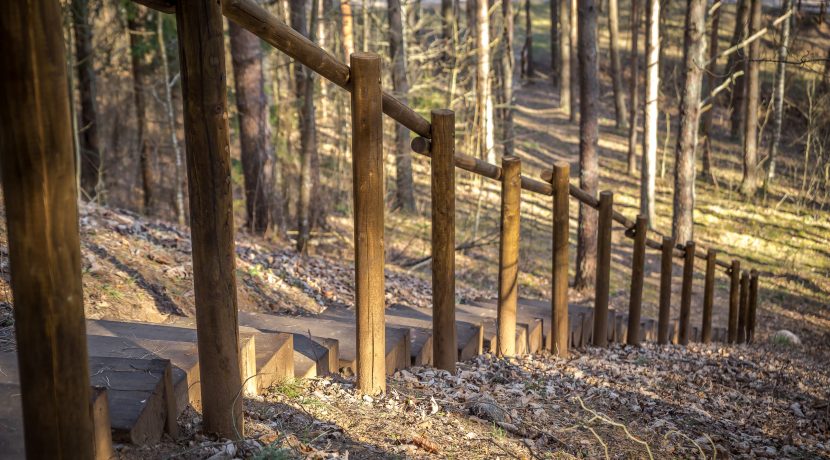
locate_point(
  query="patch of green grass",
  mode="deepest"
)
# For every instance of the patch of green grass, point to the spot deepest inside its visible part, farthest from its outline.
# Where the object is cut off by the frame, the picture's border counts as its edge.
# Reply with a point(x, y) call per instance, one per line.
point(112, 292)
point(274, 453)
point(290, 388)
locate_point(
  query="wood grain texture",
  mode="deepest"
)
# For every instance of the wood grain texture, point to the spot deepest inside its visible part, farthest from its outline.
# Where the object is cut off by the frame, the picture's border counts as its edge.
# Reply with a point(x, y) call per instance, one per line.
point(753, 306)
point(445, 350)
point(559, 285)
point(367, 172)
point(204, 81)
point(708, 296)
point(509, 256)
point(686, 293)
point(603, 276)
point(743, 307)
point(638, 259)
point(39, 190)
point(734, 300)
point(664, 315)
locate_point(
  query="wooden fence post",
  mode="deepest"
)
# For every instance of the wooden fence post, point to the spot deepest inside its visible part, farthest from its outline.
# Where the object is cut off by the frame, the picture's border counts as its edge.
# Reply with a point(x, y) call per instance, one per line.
point(744, 306)
point(509, 255)
point(367, 176)
point(708, 296)
point(204, 80)
point(734, 299)
point(638, 260)
point(603, 282)
point(442, 149)
point(558, 343)
point(753, 305)
point(686, 293)
point(664, 315)
point(38, 165)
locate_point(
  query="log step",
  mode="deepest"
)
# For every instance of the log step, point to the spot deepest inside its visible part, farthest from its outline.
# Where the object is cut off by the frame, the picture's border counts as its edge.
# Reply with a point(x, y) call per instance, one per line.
point(469, 336)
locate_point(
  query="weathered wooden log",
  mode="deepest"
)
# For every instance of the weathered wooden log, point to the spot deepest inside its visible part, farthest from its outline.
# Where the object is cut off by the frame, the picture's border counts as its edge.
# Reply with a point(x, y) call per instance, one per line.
point(603, 280)
point(444, 348)
point(509, 256)
point(638, 260)
point(686, 293)
point(664, 315)
point(202, 55)
point(367, 176)
point(708, 296)
point(734, 300)
point(753, 305)
point(743, 307)
point(38, 165)
point(559, 286)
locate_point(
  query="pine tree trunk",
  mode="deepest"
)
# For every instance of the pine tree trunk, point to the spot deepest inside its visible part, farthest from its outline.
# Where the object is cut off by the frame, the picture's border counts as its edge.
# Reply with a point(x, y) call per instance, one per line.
point(652, 68)
point(257, 162)
point(694, 48)
point(90, 154)
point(565, 56)
point(404, 193)
point(749, 182)
point(527, 51)
point(736, 62)
point(138, 27)
point(574, 62)
point(586, 251)
point(710, 84)
point(347, 28)
point(634, 86)
point(616, 68)
point(308, 133)
point(484, 98)
point(507, 65)
point(778, 93)
point(555, 51)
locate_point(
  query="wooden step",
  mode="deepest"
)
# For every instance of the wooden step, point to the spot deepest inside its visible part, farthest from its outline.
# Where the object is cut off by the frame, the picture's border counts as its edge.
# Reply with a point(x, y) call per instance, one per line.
point(469, 336)
point(529, 325)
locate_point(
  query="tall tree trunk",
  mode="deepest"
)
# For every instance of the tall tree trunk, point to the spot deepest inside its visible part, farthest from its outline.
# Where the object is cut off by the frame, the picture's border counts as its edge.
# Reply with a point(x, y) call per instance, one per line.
point(484, 97)
point(403, 160)
point(257, 162)
point(574, 61)
point(178, 186)
point(447, 20)
point(694, 48)
point(749, 182)
point(616, 68)
point(90, 154)
point(649, 168)
point(778, 92)
point(347, 28)
point(634, 86)
point(138, 28)
point(586, 251)
point(308, 132)
point(736, 62)
point(555, 50)
point(527, 51)
point(710, 84)
point(565, 56)
point(507, 65)
point(366, 23)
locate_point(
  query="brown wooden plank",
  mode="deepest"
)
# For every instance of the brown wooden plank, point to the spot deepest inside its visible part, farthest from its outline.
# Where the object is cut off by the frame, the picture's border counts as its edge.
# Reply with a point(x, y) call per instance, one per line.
point(508, 293)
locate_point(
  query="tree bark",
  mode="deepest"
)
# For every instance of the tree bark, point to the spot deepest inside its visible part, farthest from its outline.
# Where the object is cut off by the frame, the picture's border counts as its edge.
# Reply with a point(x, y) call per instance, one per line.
point(565, 56)
point(448, 20)
point(616, 68)
point(555, 50)
point(137, 28)
point(507, 64)
point(484, 98)
point(347, 27)
point(304, 91)
point(778, 93)
point(404, 193)
point(90, 154)
point(586, 251)
point(257, 161)
point(574, 61)
point(710, 84)
point(694, 48)
point(736, 62)
point(634, 86)
point(527, 51)
point(749, 182)
point(649, 168)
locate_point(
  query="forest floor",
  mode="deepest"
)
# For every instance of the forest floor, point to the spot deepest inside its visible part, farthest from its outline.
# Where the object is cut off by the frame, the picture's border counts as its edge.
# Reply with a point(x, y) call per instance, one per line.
point(768, 399)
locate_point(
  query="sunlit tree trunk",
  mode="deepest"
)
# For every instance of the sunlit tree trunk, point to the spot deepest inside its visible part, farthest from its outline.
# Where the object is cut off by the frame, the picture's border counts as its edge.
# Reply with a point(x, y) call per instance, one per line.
point(527, 50)
point(710, 85)
point(736, 62)
point(586, 251)
point(616, 68)
point(649, 168)
point(778, 93)
point(749, 182)
point(574, 61)
point(404, 193)
point(634, 86)
point(507, 65)
point(138, 28)
point(555, 51)
point(484, 98)
point(347, 28)
point(565, 56)
point(694, 47)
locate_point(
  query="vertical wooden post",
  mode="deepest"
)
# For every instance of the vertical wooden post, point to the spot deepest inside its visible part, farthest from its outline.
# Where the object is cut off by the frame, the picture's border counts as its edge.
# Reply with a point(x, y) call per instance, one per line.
point(38, 166)
point(686, 293)
point(367, 176)
point(603, 283)
point(204, 81)
point(664, 315)
point(753, 305)
point(708, 296)
point(558, 342)
point(511, 189)
point(744, 306)
point(442, 149)
point(638, 260)
point(734, 300)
